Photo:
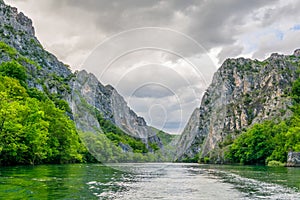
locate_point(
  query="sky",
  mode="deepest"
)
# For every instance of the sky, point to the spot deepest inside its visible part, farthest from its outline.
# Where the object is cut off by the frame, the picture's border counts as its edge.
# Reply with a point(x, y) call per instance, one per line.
point(161, 55)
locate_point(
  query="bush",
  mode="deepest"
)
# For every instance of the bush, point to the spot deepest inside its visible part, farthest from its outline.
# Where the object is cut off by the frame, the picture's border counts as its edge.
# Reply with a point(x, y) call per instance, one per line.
point(37, 94)
point(274, 163)
point(14, 70)
point(206, 160)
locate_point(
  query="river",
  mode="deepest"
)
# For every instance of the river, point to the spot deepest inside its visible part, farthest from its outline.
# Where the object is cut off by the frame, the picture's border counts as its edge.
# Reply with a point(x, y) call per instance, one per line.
point(149, 181)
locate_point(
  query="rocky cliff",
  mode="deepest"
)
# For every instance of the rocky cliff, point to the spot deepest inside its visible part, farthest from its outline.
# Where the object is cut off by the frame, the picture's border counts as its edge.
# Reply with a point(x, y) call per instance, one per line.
point(83, 92)
point(88, 92)
point(242, 92)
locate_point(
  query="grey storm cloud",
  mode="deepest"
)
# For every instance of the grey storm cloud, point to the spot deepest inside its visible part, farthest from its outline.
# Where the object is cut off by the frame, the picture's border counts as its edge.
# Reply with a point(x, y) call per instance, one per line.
point(171, 76)
point(87, 22)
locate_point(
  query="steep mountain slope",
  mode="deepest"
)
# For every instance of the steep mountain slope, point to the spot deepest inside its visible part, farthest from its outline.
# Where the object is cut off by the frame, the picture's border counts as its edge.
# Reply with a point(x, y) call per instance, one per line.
point(86, 89)
point(242, 92)
point(85, 95)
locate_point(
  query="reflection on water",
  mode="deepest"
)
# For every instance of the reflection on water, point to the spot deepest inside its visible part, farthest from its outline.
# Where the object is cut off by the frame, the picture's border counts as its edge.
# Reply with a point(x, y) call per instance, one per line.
point(175, 181)
point(260, 182)
point(149, 181)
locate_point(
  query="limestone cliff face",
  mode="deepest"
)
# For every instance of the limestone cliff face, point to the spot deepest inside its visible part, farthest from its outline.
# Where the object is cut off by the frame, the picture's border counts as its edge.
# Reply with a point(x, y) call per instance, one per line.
point(88, 92)
point(81, 90)
point(242, 92)
point(127, 120)
point(189, 135)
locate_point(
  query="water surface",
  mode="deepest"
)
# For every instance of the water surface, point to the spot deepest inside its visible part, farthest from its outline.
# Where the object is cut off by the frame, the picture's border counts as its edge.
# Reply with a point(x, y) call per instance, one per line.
point(149, 181)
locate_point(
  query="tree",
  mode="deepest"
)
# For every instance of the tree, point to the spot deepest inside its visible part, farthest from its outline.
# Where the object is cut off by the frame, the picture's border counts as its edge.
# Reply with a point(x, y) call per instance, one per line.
point(296, 91)
point(36, 129)
point(253, 146)
point(14, 70)
point(63, 138)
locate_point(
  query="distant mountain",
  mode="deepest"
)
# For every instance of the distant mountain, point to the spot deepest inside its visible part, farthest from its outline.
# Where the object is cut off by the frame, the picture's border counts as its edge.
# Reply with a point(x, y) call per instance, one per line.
point(243, 92)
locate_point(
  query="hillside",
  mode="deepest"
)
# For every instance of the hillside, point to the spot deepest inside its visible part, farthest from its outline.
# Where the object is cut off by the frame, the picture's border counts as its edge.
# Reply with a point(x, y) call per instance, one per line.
point(97, 113)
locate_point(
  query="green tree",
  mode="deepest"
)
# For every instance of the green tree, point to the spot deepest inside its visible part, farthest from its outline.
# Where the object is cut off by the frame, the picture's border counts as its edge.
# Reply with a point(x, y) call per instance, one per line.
point(296, 91)
point(11, 133)
point(253, 146)
point(36, 129)
point(14, 70)
point(63, 138)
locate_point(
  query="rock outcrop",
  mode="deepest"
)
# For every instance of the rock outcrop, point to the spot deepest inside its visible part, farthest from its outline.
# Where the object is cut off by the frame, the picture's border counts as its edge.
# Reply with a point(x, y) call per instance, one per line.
point(293, 159)
point(242, 92)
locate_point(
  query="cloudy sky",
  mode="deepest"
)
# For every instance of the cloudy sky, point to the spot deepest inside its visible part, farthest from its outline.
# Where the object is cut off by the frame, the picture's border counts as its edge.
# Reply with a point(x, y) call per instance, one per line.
point(161, 55)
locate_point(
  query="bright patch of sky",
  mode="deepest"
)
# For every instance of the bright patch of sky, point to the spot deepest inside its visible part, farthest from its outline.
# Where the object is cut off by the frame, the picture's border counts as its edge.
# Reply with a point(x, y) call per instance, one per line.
point(296, 27)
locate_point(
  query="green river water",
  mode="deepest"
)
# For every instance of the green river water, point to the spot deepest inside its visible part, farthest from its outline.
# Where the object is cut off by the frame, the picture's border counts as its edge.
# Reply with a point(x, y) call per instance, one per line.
point(149, 181)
